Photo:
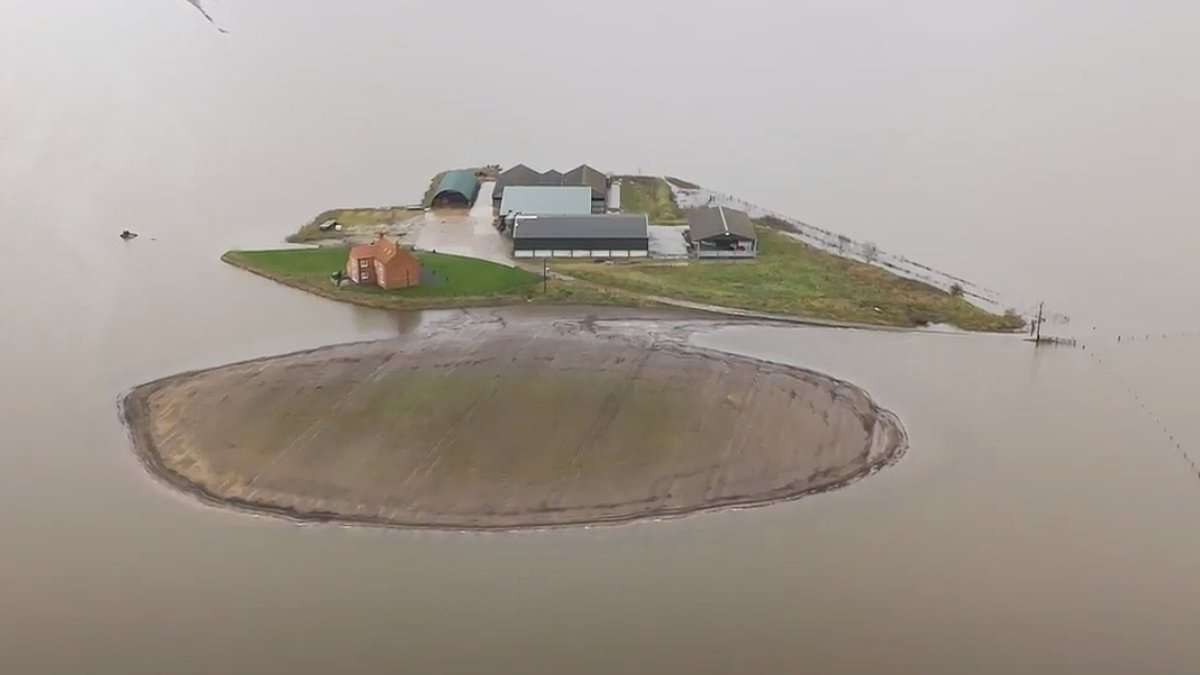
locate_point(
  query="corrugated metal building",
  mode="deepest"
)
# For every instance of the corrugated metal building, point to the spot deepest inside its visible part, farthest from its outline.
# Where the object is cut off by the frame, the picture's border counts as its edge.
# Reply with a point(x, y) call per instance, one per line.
point(581, 236)
point(517, 175)
point(589, 177)
point(535, 200)
point(457, 188)
point(721, 233)
point(581, 176)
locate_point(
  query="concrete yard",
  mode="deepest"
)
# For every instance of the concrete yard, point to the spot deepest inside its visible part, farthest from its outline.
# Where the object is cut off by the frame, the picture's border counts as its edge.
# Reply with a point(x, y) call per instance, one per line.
point(508, 424)
point(466, 234)
point(666, 241)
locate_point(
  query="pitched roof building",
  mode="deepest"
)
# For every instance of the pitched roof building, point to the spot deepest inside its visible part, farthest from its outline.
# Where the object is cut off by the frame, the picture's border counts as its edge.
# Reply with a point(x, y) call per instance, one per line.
point(587, 176)
point(581, 176)
point(719, 232)
point(581, 236)
point(383, 263)
point(544, 200)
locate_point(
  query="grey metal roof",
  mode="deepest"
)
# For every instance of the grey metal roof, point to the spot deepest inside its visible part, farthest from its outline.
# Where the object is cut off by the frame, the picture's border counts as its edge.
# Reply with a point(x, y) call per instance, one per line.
point(596, 226)
point(709, 222)
point(546, 199)
point(586, 175)
point(551, 177)
point(517, 175)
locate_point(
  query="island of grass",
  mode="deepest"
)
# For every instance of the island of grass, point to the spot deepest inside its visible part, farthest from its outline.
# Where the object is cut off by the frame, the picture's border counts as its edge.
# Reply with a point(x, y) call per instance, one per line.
point(792, 278)
point(508, 422)
point(458, 281)
point(789, 278)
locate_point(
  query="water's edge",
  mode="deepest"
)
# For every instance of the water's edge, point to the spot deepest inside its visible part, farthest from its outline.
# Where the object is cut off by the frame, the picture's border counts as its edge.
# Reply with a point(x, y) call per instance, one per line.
point(888, 443)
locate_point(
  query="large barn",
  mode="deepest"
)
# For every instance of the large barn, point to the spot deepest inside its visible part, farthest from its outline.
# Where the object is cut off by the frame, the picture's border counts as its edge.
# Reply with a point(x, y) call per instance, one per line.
point(537, 200)
point(581, 236)
point(581, 176)
point(457, 188)
point(718, 232)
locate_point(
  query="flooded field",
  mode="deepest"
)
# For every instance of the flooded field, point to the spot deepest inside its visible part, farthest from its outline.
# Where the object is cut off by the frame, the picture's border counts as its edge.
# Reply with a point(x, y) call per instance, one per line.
point(508, 425)
point(1041, 522)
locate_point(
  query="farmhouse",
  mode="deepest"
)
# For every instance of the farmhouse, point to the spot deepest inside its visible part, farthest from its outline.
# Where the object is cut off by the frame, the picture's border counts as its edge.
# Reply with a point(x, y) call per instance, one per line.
point(456, 189)
point(719, 232)
point(538, 200)
point(581, 236)
point(383, 263)
point(581, 176)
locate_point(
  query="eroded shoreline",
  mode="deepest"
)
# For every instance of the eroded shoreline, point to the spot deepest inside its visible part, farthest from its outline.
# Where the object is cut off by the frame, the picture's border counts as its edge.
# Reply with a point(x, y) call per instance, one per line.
point(501, 426)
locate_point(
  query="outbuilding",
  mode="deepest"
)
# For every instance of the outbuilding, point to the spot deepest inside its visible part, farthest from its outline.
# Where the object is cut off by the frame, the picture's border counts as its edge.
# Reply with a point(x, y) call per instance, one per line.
point(517, 175)
point(383, 263)
point(581, 236)
point(542, 200)
point(457, 188)
point(719, 232)
point(592, 179)
point(581, 176)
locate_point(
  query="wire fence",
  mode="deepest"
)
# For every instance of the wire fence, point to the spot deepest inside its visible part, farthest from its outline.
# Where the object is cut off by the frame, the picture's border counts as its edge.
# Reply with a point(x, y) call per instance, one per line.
point(843, 245)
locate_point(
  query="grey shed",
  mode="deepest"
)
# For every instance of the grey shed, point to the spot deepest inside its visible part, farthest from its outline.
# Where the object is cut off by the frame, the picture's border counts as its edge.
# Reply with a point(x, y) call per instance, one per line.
point(722, 233)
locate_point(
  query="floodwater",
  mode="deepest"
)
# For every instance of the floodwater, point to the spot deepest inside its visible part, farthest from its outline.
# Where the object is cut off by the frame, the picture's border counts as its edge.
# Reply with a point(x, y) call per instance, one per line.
point(1042, 522)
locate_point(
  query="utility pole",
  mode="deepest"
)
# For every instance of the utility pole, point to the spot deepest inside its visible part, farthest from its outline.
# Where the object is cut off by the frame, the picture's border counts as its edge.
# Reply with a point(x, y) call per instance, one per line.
point(545, 275)
point(1037, 326)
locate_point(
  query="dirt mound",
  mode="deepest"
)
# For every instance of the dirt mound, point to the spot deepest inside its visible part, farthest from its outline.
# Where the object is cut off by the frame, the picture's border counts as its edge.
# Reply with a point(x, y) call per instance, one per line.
point(506, 426)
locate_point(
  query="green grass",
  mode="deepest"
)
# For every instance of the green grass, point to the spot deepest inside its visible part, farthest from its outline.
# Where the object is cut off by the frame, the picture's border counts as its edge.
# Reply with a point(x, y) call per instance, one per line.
point(460, 280)
point(790, 277)
point(464, 281)
point(651, 196)
point(368, 218)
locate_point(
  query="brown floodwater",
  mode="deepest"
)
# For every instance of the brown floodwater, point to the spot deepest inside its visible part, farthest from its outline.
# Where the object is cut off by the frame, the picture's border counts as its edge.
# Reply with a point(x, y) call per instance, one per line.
point(1041, 521)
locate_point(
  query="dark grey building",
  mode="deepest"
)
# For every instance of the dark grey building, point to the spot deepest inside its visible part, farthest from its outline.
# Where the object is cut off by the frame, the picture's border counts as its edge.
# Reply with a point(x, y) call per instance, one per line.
point(581, 176)
point(517, 175)
point(721, 233)
point(581, 236)
point(588, 177)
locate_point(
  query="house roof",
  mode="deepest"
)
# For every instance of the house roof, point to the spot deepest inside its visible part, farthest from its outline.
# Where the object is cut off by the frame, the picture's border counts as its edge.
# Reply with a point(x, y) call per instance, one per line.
point(382, 249)
point(708, 222)
point(461, 181)
point(546, 199)
point(591, 226)
point(586, 175)
point(363, 251)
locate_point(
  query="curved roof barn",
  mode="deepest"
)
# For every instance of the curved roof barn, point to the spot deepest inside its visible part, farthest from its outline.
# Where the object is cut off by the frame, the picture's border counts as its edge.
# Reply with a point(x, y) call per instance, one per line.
point(457, 188)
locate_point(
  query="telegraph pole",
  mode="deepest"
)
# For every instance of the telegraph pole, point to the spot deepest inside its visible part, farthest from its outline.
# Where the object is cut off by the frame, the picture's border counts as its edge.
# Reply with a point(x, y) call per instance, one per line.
point(1037, 326)
point(545, 275)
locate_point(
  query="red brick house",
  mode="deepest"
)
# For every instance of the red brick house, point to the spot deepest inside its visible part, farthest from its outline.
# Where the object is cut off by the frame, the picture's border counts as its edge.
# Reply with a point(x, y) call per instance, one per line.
point(383, 263)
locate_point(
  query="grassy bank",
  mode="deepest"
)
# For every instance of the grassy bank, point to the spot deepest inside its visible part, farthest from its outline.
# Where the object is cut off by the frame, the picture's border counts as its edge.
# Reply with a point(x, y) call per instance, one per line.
point(651, 196)
point(790, 277)
point(464, 282)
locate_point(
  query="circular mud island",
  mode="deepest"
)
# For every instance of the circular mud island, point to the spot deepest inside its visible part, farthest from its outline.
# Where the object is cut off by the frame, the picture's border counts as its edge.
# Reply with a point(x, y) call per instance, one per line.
point(503, 425)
